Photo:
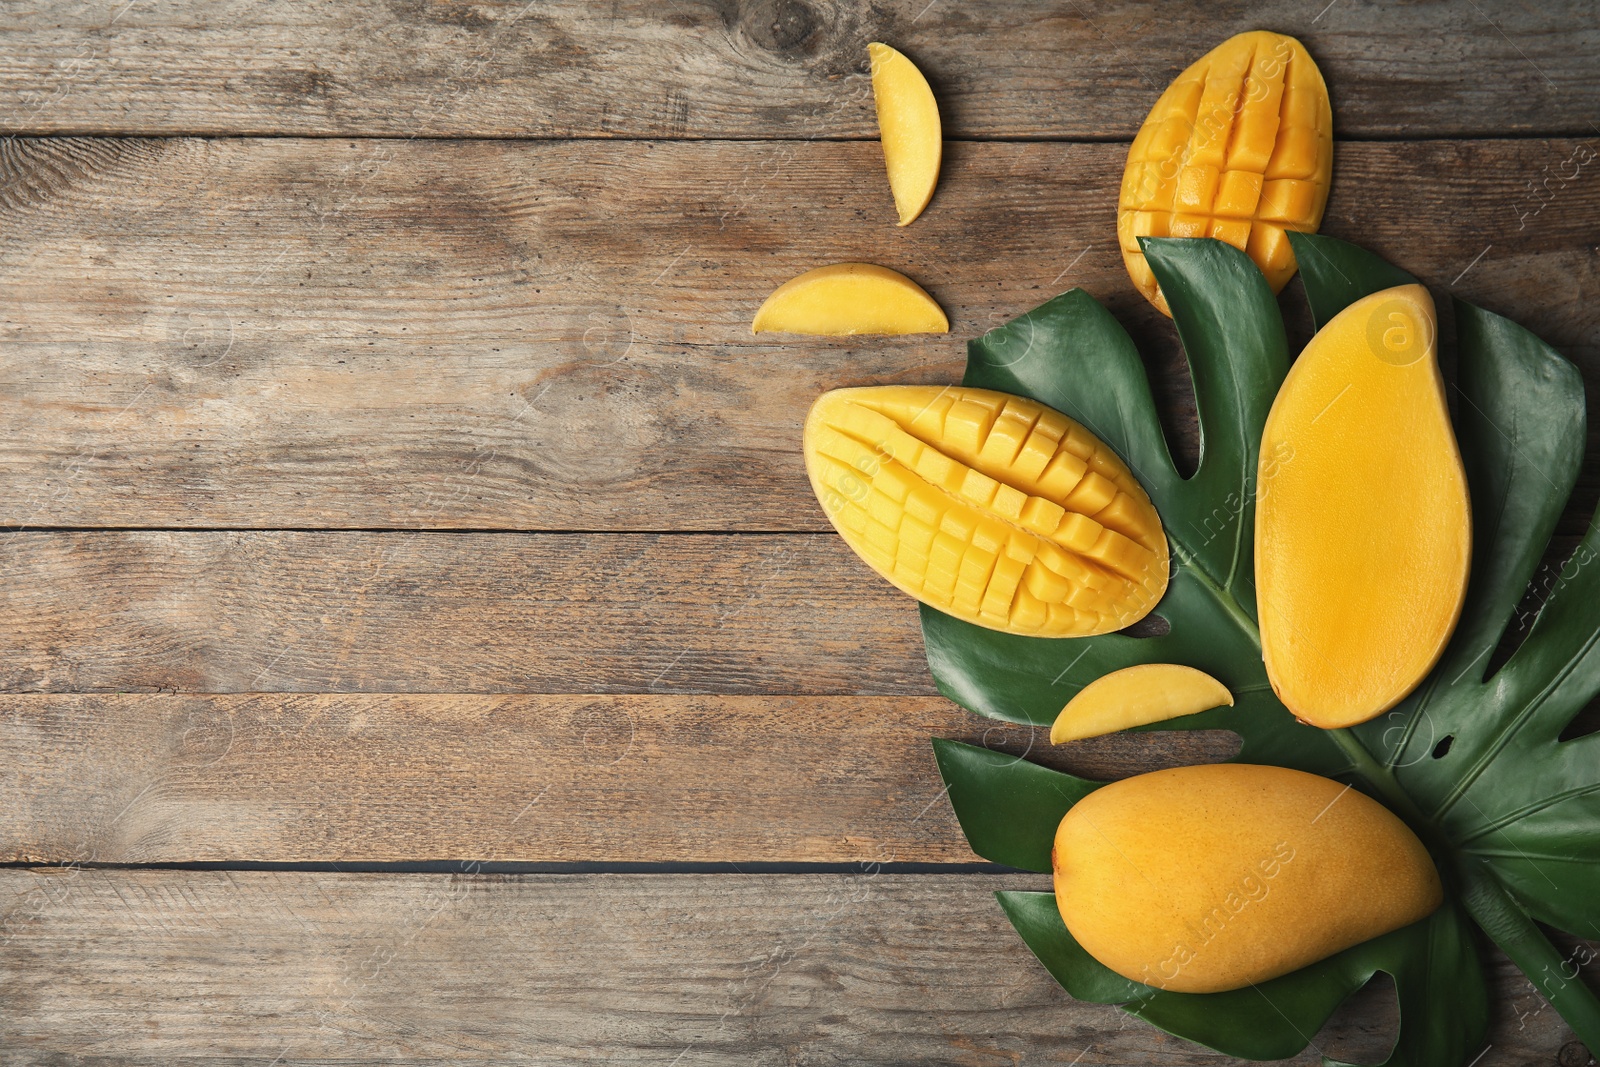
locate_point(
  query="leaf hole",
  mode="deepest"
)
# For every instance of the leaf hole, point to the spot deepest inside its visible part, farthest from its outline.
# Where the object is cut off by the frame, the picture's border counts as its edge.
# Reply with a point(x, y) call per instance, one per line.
point(1586, 722)
point(1365, 1027)
point(1550, 575)
point(1170, 385)
point(1152, 625)
point(1442, 749)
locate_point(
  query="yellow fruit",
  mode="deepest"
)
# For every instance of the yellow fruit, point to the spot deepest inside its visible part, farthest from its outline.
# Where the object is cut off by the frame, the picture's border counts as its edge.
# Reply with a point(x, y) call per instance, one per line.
point(1239, 148)
point(1204, 879)
point(850, 298)
point(1137, 696)
point(1363, 532)
point(908, 126)
point(992, 508)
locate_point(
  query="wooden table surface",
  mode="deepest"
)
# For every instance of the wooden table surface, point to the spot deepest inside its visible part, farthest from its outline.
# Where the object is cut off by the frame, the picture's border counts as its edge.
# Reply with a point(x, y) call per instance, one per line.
point(422, 643)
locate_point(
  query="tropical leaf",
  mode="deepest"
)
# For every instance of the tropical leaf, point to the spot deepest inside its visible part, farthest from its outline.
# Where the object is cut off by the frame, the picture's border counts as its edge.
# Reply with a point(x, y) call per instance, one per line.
point(1071, 354)
point(1478, 756)
point(1009, 805)
point(1337, 273)
point(1471, 760)
point(1434, 964)
point(1009, 808)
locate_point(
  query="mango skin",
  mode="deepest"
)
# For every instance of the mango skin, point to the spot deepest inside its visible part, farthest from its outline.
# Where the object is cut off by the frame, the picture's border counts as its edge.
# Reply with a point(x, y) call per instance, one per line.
point(1363, 525)
point(1210, 878)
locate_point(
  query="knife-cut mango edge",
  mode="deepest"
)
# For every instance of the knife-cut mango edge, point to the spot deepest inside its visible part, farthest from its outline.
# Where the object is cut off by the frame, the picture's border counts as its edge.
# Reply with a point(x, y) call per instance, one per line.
point(909, 129)
point(850, 298)
point(1137, 696)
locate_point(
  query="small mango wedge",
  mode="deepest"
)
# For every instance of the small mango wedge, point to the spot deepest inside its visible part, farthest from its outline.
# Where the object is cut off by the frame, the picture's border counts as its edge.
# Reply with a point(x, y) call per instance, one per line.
point(850, 298)
point(1240, 148)
point(1137, 696)
point(1363, 527)
point(1210, 878)
point(908, 125)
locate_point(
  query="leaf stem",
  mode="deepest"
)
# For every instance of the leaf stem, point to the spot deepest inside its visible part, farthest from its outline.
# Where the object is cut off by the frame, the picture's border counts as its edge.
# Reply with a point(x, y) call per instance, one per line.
point(1509, 927)
point(1229, 604)
point(1379, 777)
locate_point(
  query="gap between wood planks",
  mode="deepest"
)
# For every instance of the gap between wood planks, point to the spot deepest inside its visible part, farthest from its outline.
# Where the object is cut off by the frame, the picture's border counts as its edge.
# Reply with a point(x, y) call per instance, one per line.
point(857, 867)
point(422, 968)
point(1401, 137)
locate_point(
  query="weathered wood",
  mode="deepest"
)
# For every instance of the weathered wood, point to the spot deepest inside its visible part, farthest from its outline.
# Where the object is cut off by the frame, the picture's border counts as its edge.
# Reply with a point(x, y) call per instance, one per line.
point(556, 335)
point(759, 68)
point(169, 779)
point(223, 612)
point(257, 967)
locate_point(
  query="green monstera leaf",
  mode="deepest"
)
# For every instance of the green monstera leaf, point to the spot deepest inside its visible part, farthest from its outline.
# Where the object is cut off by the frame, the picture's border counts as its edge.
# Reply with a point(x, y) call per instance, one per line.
point(1071, 354)
point(1442, 1020)
point(1472, 760)
point(1009, 809)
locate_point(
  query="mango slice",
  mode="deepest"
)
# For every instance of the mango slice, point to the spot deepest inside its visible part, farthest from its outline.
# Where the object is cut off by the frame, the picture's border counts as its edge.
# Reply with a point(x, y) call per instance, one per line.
point(1137, 696)
point(989, 507)
point(1240, 148)
point(1363, 529)
point(908, 126)
point(850, 298)
point(1205, 879)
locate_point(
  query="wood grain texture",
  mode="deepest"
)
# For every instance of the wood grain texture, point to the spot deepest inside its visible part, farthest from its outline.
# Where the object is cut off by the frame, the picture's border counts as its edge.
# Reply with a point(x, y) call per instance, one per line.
point(292, 968)
point(221, 612)
point(144, 778)
point(759, 68)
point(535, 335)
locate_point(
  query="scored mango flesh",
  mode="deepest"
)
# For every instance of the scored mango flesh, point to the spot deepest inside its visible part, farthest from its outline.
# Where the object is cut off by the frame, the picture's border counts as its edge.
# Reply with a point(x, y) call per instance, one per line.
point(1240, 148)
point(989, 507)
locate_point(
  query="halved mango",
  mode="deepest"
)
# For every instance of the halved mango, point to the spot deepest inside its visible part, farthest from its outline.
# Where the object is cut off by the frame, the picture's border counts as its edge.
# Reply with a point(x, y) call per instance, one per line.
point(909, 128)
point(850, 298)
point(1363, 531)
point(1240, 148)
point(1137, 696)
point(989, 507)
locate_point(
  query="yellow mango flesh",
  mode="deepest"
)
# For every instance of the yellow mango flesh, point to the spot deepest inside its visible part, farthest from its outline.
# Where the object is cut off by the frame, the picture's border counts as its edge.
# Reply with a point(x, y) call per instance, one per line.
point(1240, 148)
point(909, 128)
point(990, 507)
point(1137, 696)
point(1363, 529)
point(850, 298)
point(1204, 879)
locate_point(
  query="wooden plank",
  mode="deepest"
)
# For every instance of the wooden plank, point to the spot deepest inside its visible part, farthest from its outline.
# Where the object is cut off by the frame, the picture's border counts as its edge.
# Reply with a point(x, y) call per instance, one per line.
point(258, 967)
point(172, 779)
point(556, 335)
point(795, 69)
point(329, 612)
point(462, 613)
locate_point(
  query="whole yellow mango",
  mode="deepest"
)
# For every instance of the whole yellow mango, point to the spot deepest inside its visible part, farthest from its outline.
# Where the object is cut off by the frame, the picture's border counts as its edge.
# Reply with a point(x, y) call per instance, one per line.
point(1363, 529)
point(1204, 879)
point(990, 507)
point(1240, 148)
